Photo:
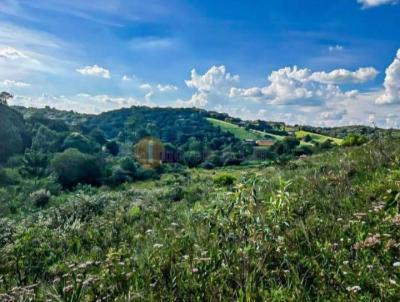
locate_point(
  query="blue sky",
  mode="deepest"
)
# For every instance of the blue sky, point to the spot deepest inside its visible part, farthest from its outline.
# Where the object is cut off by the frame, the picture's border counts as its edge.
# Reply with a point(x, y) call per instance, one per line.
point(310, 62)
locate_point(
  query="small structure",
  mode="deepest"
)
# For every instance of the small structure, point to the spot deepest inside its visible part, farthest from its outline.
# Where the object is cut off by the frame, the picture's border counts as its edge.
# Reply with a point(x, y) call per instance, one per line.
point(265, 143)
point(251, 142)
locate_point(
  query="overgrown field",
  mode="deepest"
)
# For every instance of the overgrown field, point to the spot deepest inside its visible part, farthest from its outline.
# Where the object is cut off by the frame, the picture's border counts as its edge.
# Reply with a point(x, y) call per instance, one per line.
point(321, 229)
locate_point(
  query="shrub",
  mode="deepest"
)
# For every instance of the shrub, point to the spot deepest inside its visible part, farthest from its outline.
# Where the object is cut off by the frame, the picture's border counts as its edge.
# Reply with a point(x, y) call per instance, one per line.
point(224, 179)
point(307, 138)
point(40, 198)
point(73, 167)
point(78, 141)
point(354, 140)
point(192, 158)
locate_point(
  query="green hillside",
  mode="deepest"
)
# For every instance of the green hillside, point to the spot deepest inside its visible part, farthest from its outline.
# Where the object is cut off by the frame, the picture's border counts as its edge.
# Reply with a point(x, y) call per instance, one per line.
point(318, 137)
point(239, 132)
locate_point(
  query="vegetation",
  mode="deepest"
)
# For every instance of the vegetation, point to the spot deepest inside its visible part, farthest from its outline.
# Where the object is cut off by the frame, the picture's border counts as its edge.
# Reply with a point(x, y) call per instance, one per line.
point(311, 218)
point(321, 229)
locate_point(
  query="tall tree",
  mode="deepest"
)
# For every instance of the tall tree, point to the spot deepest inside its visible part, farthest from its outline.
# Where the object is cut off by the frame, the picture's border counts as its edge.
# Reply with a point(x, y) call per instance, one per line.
point(4, 97)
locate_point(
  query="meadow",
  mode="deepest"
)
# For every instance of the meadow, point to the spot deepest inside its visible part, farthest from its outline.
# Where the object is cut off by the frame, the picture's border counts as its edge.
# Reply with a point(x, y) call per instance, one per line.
point(321, 229)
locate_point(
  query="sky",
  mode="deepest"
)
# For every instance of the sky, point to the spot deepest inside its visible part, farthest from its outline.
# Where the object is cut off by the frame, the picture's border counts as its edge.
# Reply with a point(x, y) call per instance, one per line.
point(322, 63)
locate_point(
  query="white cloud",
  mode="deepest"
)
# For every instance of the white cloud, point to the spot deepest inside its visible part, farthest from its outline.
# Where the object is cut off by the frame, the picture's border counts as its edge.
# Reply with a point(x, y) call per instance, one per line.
point(10, 53)
point(334, 115)
point(82, 102)
point(126, 78)
point(166, 88)
point(214, 78)
point(215, 84)
point(12, 83)
point(95, 70)
point(374, 3)
point(145, 86)
point(392, 83)
point(340, 76)
point(336, 47)
point(296, 86)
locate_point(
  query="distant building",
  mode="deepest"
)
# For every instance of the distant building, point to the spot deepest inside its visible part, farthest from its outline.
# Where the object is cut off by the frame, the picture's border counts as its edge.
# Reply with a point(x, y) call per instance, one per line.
point(265, 143)
point(250, 142)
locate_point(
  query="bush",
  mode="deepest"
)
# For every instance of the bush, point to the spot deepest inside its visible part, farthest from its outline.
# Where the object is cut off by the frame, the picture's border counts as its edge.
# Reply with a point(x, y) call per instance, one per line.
point(40, 198)
point(73, 167)
point(354, 140)
point(78, 141)
point(224, 179)
point(192, 158)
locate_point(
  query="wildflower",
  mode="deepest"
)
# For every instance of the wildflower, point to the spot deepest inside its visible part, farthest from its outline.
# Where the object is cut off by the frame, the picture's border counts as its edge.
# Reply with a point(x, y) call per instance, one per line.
point(353, 289)
point(396, 219)
point(396, 264)
point(68, 288)
point(345, 262)
point(149, 231)
point(158, 246)
point(370, 241)
point(370, 266)
point(393, 282)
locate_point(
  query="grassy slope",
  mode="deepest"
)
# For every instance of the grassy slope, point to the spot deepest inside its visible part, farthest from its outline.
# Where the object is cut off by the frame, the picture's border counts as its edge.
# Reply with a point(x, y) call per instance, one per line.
point(243, 134)
point(318, 137)
point(240, 132)
point(303, 232)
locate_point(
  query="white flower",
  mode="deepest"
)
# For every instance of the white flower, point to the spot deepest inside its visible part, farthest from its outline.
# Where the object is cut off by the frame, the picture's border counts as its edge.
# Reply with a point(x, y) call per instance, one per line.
point(157, 246)
point(396, 264)
point(353, 289)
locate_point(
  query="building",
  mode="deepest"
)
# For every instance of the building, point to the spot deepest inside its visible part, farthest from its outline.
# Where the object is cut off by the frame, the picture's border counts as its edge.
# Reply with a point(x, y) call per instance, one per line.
point(265, 143)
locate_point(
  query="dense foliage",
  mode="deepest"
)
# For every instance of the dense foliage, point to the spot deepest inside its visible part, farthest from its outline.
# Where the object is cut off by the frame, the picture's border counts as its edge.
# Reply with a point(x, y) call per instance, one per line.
point(320, 229)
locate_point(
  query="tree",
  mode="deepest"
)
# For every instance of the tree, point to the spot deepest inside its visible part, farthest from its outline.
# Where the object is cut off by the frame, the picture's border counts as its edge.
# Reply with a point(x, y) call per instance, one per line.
point(74, 167)
point(99, 136)
point(113, 148)
point(78, 141)
point(4, 97)
point(34, 164)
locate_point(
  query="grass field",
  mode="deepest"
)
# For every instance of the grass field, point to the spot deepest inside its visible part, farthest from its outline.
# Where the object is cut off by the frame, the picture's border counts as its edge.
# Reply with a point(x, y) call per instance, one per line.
point(239, 132)
point(242, 133)
point(318, 137)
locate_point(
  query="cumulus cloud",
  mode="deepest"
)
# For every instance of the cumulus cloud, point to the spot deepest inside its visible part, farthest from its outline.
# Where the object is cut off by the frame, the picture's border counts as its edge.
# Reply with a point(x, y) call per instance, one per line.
point(291, 85)
point(341, 76)
point(374, 3)
point(216, 83)
point(12, 83)
point(392, 83)
point(214, 78)
point(95, 70)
